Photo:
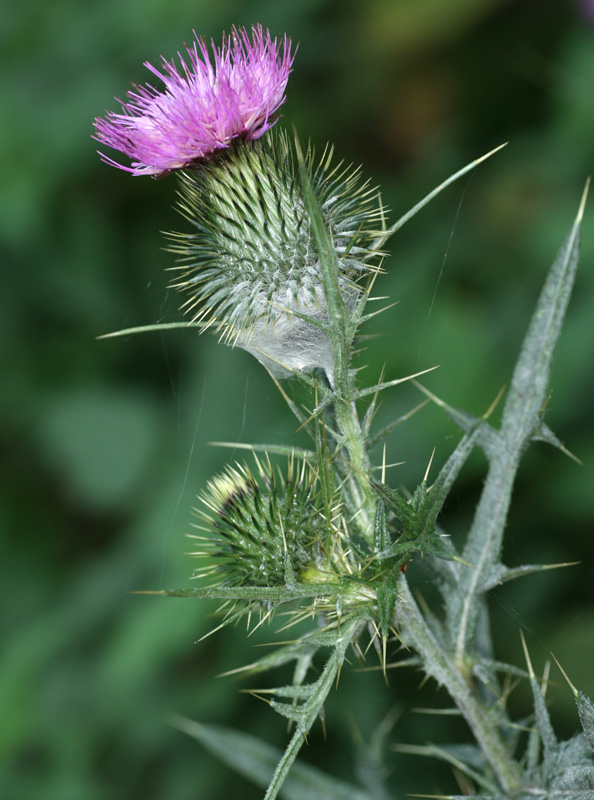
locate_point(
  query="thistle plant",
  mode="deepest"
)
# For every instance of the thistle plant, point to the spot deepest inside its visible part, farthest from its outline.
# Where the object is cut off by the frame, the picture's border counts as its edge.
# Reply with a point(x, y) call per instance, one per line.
point(280, 256)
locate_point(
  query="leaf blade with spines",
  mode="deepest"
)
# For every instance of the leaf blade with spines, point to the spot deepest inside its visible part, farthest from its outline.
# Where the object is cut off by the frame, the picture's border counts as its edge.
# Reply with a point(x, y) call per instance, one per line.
point(255, 760)
point(309, 711)
point(419, 516)
point(586, 713)
point(521, 418)
point(275, 595)
point(530, 383)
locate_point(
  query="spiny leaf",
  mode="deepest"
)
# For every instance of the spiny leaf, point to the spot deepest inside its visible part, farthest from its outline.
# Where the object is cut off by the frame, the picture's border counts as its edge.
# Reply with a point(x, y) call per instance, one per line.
point(381, 434)
point(381, 536)
point(262, 594)
point(394, 501)
point(420, 515)
point(487, 437)
point(521, 416)
point(274, 449)
point(256, 760)
point(544, 434)
point(457, 756)
point(530, 382)
point(302, 692)
point(430, 543)
point(505, 575)
point(586, 712)
point(543, 720)
point(431, 501)
point(160, 326)
point(309, 711)
point(386, 598)
point(378, 387)
point(296, 651)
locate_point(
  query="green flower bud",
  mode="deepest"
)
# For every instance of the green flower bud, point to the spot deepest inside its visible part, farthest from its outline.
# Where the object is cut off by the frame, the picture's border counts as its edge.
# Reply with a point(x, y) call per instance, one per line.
point(250, 267)
point(260, 532)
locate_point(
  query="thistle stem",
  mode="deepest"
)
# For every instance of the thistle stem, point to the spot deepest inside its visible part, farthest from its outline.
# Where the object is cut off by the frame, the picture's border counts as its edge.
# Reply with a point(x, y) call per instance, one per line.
point(438, 663)
point(362, 494)
point(482, 550)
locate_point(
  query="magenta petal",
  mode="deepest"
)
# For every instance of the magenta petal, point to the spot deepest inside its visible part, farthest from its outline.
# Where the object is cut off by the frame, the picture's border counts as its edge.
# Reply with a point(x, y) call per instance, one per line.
point(202, 105)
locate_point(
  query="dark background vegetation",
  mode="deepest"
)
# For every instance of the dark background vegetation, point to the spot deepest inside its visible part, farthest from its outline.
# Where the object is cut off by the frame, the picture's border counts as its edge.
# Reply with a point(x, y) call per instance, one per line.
point(105, 443)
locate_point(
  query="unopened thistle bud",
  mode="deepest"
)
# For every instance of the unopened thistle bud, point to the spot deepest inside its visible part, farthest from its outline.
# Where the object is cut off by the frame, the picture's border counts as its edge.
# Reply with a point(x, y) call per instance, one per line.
point(251, 269)
point(259, 531)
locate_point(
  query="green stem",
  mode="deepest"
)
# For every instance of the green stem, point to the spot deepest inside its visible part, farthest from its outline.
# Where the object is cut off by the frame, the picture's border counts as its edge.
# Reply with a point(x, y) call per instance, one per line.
point(313, 706)
point(482, 550)
point(438, 663)
point(362, 495)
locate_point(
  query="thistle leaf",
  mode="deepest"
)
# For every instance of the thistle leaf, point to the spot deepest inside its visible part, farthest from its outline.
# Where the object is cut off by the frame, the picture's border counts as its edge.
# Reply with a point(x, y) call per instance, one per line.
point(276, 595)
point(530, 383)
point(378, 387)
point(466, 758)
point(586, 713)
point(394, 501)
point(386, 598)
point(521, 419)
point(307, 712)
point(505, 575)
point(381, 536)
point(256, 760)
point(431, 501)
point(543, 720)
point(160, 326)
point(487, 437)
point(418, 518)
point(274, 449)
point(381, 434)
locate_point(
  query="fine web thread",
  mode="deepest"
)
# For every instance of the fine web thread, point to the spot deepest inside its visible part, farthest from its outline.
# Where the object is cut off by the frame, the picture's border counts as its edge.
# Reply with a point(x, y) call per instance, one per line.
point(184, 483)
point(441, 271)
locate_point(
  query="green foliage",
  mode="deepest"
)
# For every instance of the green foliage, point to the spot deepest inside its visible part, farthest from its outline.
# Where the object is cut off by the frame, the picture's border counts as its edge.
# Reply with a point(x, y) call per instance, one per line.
point(384, 533)
point(256, 760)
point(586, 712)
point(88, 671)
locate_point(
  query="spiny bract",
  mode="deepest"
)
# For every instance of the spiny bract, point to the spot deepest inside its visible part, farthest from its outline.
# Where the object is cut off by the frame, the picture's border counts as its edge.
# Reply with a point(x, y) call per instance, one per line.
point(250, 267)
point(260, 533)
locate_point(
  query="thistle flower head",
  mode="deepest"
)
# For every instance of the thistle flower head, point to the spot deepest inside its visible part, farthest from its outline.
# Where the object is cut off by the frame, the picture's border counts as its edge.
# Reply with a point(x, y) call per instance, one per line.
point(203, 106)
point(250, 266)
point(260, 529)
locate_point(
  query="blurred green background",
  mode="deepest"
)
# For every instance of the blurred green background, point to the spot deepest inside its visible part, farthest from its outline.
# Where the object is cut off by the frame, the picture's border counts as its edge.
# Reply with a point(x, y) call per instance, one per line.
point(105, 443)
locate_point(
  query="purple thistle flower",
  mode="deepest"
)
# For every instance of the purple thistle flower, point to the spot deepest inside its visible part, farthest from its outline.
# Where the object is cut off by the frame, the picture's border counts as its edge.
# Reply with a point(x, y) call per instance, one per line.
point(204, 106)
